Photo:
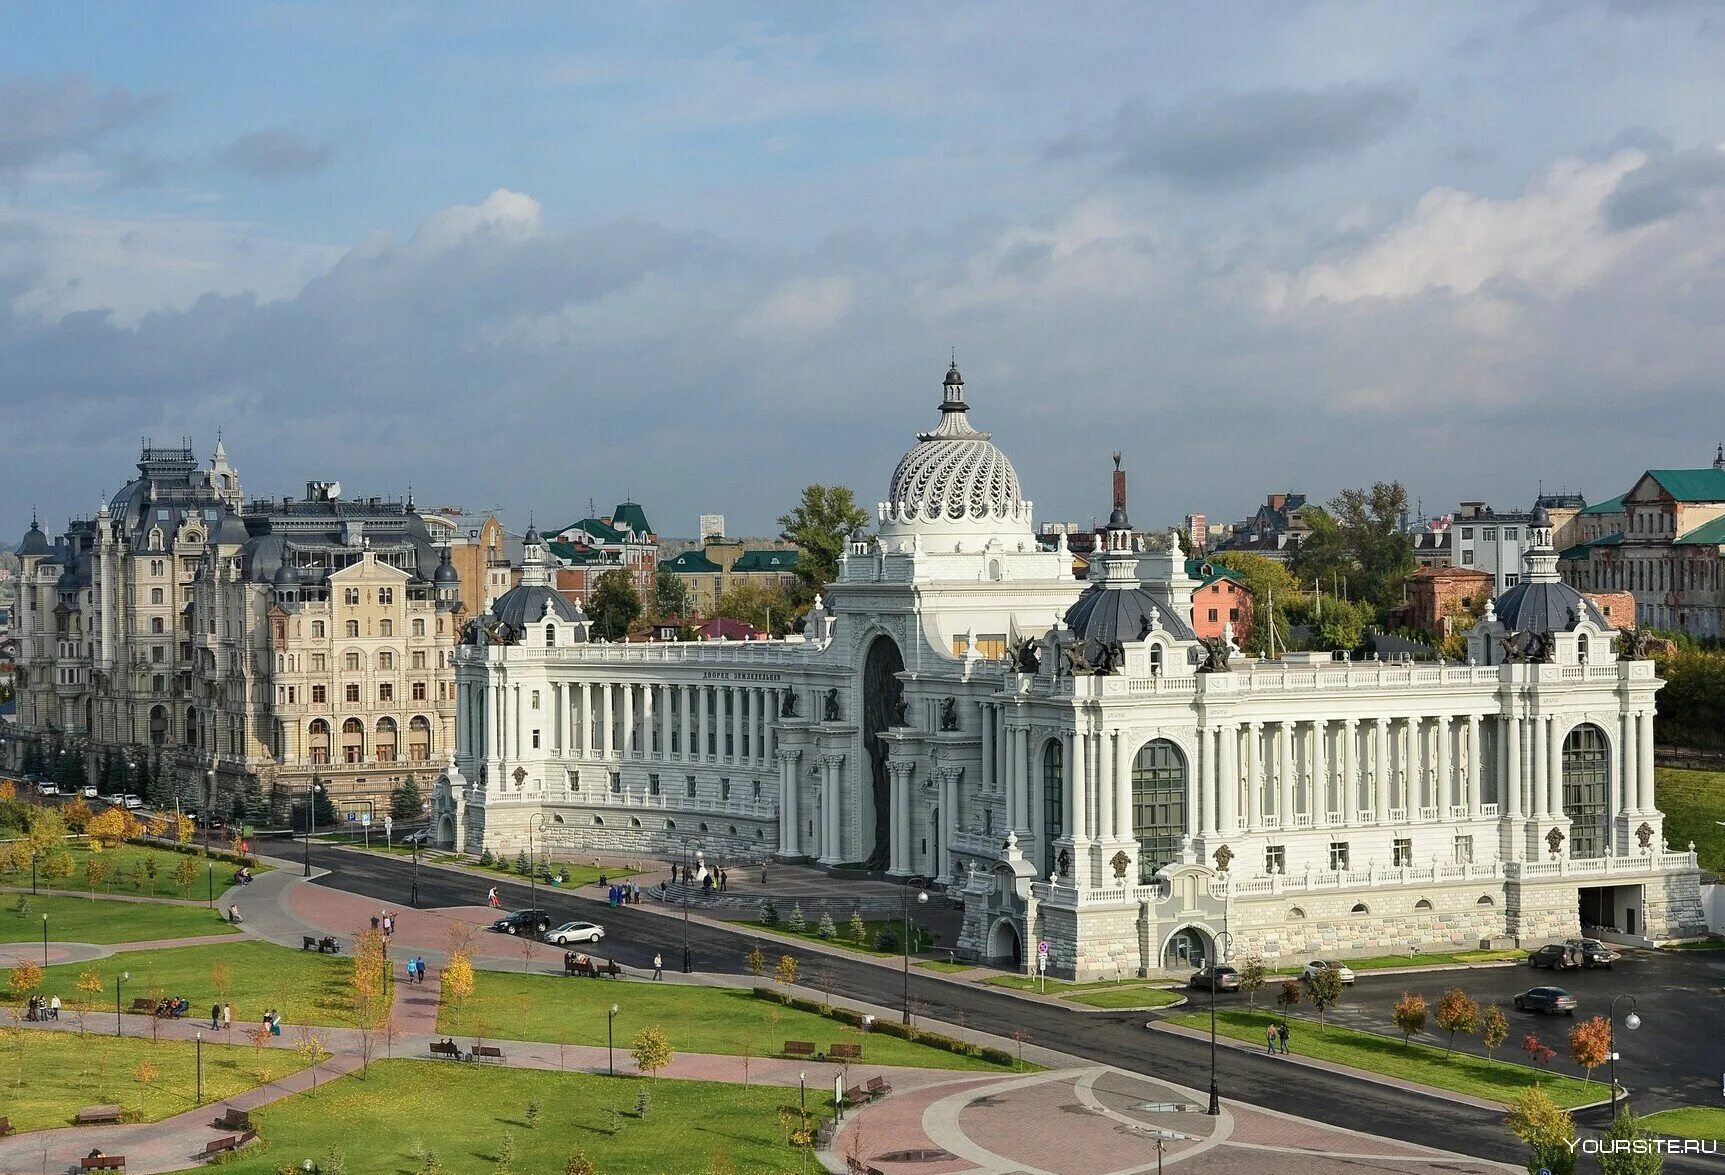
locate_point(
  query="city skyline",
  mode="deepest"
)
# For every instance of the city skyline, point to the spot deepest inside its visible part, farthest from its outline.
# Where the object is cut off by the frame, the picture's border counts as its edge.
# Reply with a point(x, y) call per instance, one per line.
point(1292, 250)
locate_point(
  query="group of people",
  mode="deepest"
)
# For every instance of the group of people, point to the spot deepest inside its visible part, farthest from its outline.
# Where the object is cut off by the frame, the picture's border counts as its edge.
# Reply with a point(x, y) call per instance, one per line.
point(385, 920)
point(623, 893)
point(416, 970)
point(711, 879)
point(243, 875)
point(1276, 1038)
point(221, 1016)
point(173, 1007)
point(43, 1009)
point(234, 915)
point(273, 1021)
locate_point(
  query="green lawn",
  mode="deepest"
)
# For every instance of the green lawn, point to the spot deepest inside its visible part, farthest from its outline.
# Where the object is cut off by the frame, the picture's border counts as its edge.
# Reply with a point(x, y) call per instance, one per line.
point(1689, 1122)
point(1056, 986)
point(77, 919)
point(1125, 997)
point(1711, 943)
point(1460, 1072)
point(388, 1119)
point(943, 965)
point(123, 862)
point(1692, 801)
point(305, 987)
point(697, 1019)
point(47, 1077)
point(1432, 959)
point(841, 938)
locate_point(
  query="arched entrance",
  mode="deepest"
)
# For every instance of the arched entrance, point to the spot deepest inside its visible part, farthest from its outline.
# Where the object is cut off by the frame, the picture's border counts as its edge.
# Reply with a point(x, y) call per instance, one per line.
point(446, 832)
point(1158, 806)
point(1188, 947)
point(1004, 944)
point(1053, 801)
point(1586, 786)
point(881, 694)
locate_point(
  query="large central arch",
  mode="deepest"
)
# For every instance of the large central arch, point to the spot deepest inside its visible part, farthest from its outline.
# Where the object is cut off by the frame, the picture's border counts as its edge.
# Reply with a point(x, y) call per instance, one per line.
point(880, 697)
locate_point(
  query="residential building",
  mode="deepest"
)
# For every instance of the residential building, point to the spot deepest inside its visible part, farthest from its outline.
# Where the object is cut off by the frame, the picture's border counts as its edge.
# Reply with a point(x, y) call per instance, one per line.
point(959, 709)
point(485, 555)
point(1198, 531)
point(715, 567)
point(1440, 597)
point(1496, 541)
point(595, 544)
point(1220, 599)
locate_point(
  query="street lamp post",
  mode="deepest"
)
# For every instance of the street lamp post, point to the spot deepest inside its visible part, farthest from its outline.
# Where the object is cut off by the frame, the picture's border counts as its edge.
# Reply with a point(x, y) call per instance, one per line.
point(199, 1037)
point(904, 909)
point(44, 940)
point(610, 1034)
point(413, 898)
point(688, 959)
point(310, 820)
point(1631, 1022)
point(210, 881)
point(1221, 953)
point(118, 979)
point(803, 1092)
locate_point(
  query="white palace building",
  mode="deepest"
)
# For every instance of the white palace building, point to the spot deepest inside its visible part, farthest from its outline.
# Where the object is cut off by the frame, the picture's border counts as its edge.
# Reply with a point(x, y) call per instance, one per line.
point(1073, 765)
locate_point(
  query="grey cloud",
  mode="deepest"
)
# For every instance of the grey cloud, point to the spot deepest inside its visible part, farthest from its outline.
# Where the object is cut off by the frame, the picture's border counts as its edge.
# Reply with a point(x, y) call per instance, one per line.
point(1664, 186)
point(42, 119)
point(1242, 138)
point(275, 154)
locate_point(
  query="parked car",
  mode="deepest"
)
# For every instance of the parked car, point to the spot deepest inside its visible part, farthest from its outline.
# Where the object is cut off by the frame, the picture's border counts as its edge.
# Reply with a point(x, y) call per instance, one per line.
point(1550, 1000)
point(575, 932)
point(1316, 965)
point(422, 838)
point(131, 802)
point(1215, 978)
point(89, 791)
point(523, 922)
point(47, 789)
point(1592, 952)
point(1554, 955)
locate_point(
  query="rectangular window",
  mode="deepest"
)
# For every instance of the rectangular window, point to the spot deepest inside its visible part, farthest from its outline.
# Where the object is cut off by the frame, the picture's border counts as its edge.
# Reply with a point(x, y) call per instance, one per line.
point(536, 699)
point(1234, 615)
point(158, 654)
point(1467, 558)
point(352, 691)
point(386, 691)
point(317, 628)
point(1464, 850)
point(319, 695)
point(1467, 532)
point(574, 779)
point(292, 694)
point(386, 628)
point(653, 783)
point(386, 595)
point(352, 628)
point(724, 789)
point(418, 691)
point(1275, 859)
point(1510, 581)
point(1402, 852)
point(419, 659)
point(350, 661)
point(616, 783)
point(1510, 532)
point(1338, 856)
point(419, 628)
point(319, 663)
point(536, 740)
point(1212, 615)
point(159, 683)
point(689, 784)
point(756, 788)
point(1489, 534)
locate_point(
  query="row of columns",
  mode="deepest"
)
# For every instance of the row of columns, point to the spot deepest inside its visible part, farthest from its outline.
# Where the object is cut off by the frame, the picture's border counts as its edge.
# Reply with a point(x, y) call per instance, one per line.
point(603, 724)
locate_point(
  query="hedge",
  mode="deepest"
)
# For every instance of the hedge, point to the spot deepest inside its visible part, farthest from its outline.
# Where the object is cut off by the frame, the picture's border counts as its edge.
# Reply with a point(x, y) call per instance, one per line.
point(963, 1048)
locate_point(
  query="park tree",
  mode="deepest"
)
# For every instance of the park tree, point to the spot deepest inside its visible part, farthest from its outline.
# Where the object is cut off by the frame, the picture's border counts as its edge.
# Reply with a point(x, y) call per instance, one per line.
point(763, 605)
point(77, 815)
point(671, 596)
point(56, 865)
point(858, 929)
point(97, 870)
point(456, 979)
point(1493, 1029)
point(651, 1049)
point(756, 961)
point(47, 830)
point(1338, 625)
point(614, 604)
point(1289, 995)
point(185, 873)
point(405, 802)
point(1590, 1043)
point(1537, 1050)
point(826, 928)
point(8, 791)
point(819, 524)
point(1456, 1012)
point(1324, 989)
point(1410, 1014)
point(323, 808)
point(1267, 581)
point(1253, 976)
point(1323, 557)
point(1547, 1129)
point(785, 973)
point(1626, 1127)
point(26, 977)
point(111, 826)
point(580, 1164)
point(1370, 524)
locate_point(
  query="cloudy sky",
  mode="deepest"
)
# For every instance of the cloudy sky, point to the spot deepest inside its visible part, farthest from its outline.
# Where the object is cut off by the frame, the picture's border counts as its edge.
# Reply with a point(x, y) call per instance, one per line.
point(705, 254)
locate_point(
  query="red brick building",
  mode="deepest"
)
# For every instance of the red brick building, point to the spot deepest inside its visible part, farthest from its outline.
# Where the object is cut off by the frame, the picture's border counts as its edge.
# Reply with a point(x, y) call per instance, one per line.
point(1436, 595)
point(1218, 600)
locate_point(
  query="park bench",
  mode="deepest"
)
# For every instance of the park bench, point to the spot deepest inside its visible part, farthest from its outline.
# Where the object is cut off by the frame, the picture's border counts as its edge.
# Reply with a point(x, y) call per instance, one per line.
point(440, 1049)
point(323, 946)
point(877, 1087)
point(307, 942)
point(90, 1115)
point(144, 1004)
point(856, 1095)
point(611, 969)
point(845, 1052)
point(798, 1048)
point(224, 1144)
point(102, 1163)
point(486, 1052)
point(5, 1126)
point(233, 1119)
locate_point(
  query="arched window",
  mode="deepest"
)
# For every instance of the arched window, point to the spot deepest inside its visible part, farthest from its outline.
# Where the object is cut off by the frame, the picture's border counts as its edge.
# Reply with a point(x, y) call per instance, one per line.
point(1158, 805)
point(1422, 904)
point(1485, 900)
point(156, 625)
point(1295, 914)
point(158, 725)
point(318, 738)
point(1053, 800)
point(191, 727)
point(155, 595)
point(550, 635)
point(419, 627)
point(317, 629)
point(1586, 784)
point(1359, 908)
point(1155, 660)
point(1581, 647)
point(350, 661)
point(353, 741)
point(419, 739)
point(386, 732)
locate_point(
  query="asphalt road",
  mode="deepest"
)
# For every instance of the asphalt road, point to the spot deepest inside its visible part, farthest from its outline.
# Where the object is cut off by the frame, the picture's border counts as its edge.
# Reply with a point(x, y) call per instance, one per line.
point(633, 935)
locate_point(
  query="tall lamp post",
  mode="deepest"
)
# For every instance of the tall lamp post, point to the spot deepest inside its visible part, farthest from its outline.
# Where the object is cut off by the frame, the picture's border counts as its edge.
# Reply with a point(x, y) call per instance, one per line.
point(413, 898)
point(44, 940)
point(118, 979)
point(610, 1034)
point(1221, 953)
point(310, 819)
point(199, 1037)
point(904, 910)
point(688, 959)
point(1631, 1022)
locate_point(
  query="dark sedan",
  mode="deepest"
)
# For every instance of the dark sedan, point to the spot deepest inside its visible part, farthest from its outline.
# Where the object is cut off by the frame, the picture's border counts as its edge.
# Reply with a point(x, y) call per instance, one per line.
point(1556, 956)
point(1550, 1000)
point(523, 922)
point(1215, 978)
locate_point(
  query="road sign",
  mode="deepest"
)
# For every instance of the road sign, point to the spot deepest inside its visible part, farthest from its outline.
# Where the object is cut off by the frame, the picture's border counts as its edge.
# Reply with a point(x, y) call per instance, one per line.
point(1042, 948)
point(388, 823)
point(352, 817)
point(365, 819)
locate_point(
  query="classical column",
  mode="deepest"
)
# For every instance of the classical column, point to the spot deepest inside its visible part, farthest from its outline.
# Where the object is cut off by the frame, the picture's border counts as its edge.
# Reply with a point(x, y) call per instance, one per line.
point(1473, 769)
point(631, 737)
point(1554, 766)
point(735, 698)
point(1383, 780)
point(1228, 779)
point(758, 719)
point(1442, 785)
point(1509, 781)
point(1254, 777)
point(1541, 786)
point(789, 821)
point(1644, 777)
point(1320, 772)
point(948, 822)
point(1123, 790)
point(1077, 816)
point(703, 721)
point(830, 841)
point(985, 712)
point(684, 702)
point(1209, 738)
point(517, 712)
point(1284, 774)
point(898, 823)
point(1626, 796)
point(1105, 786)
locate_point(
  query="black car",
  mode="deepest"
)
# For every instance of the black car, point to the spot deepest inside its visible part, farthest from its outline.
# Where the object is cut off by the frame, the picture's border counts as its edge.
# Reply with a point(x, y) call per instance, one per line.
point(1550, 1000)
point(1592, 952)
point(1215, 978)
point(523, 922)
point(1554, 955)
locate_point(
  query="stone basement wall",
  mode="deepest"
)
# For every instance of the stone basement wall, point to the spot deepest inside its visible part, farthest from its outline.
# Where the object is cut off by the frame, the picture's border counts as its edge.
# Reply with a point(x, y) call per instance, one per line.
point(1542, 913)
point(1271, 930)
point(1671, 907)
point(506, 832)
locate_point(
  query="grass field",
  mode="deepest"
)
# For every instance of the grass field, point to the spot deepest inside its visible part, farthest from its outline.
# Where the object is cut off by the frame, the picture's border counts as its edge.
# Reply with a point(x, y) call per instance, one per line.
point(1711, 943)
point(389, 1119)
point(697, 1019)
point(1125, 997)
point(47, 1077)
point(1059, 986)
point(1689, 1122)
point(1460, 1072)
point(1432, 959)
point(305, 987)
point(129, 868)
point(944, 965)
point(77, 919)
point(841, 939)
point(1692, 801)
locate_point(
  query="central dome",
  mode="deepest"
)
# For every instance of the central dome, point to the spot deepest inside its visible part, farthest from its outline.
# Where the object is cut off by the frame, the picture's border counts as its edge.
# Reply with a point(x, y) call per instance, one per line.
point(954, 474)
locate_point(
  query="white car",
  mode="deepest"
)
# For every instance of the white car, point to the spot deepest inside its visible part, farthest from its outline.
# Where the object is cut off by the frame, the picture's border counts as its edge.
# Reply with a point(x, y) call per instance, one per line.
point(131, 802)
point(574, 932)
point(1317, 965)
point(89, 791)
point(48, 789)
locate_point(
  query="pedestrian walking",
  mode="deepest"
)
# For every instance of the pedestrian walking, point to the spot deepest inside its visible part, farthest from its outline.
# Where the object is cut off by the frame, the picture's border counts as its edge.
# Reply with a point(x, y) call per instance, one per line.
point(215, 1016)
point(388, 924)
point(658, 968)
point(491, 899)
point(724, 880)
point(227, 1016)
point(1282, 1035)
point(375, 921)
point(54, 1008)
point(1270, 1038)
point(673, 873)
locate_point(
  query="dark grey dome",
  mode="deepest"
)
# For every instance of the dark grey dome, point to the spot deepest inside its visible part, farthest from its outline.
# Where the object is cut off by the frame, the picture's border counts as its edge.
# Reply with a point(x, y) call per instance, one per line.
point(35, 543)
point(532, 538)
point(286, 576)
point(68, 581)
point(446, 575)
point(1117, 520)
point(1107, 614)
point(525, 604)
point(231, 531)
point(1545, 607)
point(952, 376)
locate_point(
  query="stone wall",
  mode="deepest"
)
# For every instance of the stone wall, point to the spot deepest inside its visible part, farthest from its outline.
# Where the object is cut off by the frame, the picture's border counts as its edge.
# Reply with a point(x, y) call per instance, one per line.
point(1539, 914)
point(1671, 907)
point(1303, 925)
point(575, 830)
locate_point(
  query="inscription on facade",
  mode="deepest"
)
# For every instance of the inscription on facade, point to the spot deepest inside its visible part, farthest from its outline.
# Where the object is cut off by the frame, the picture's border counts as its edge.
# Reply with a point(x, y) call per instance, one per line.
point(740, 675)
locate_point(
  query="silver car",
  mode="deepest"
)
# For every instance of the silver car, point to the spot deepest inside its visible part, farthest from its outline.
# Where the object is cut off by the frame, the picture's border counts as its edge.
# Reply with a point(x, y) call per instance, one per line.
point(1316, 965)
point(575, 932)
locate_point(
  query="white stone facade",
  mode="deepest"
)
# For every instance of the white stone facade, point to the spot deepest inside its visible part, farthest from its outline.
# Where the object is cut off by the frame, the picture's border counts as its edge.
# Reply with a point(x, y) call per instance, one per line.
point(930, 723)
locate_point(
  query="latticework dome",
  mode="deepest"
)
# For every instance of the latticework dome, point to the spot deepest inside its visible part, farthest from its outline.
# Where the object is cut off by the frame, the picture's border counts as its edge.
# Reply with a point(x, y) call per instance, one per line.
point(954, 473)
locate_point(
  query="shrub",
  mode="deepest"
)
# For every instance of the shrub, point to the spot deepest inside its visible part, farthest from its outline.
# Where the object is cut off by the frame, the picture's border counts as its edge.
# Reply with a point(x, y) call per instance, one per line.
point(826, 929)
point(531, 1116)
point(802, 1005)
point(886, 940)
point(1410, 1015)
point(486, 860)
point(1493, 1029)
point(1546, 1129)
point(769, 912)
point(523, 866)
point(1457, 1012)
point(859, 930)
point(796, 923)
point(995, 1056)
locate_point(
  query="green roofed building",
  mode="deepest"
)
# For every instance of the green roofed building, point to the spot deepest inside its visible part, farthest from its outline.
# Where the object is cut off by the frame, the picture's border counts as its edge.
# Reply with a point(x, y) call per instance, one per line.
point(712, 569)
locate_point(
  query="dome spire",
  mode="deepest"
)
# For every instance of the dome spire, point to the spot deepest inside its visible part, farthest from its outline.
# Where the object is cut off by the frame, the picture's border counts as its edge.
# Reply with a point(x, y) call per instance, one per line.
point(952, 390)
